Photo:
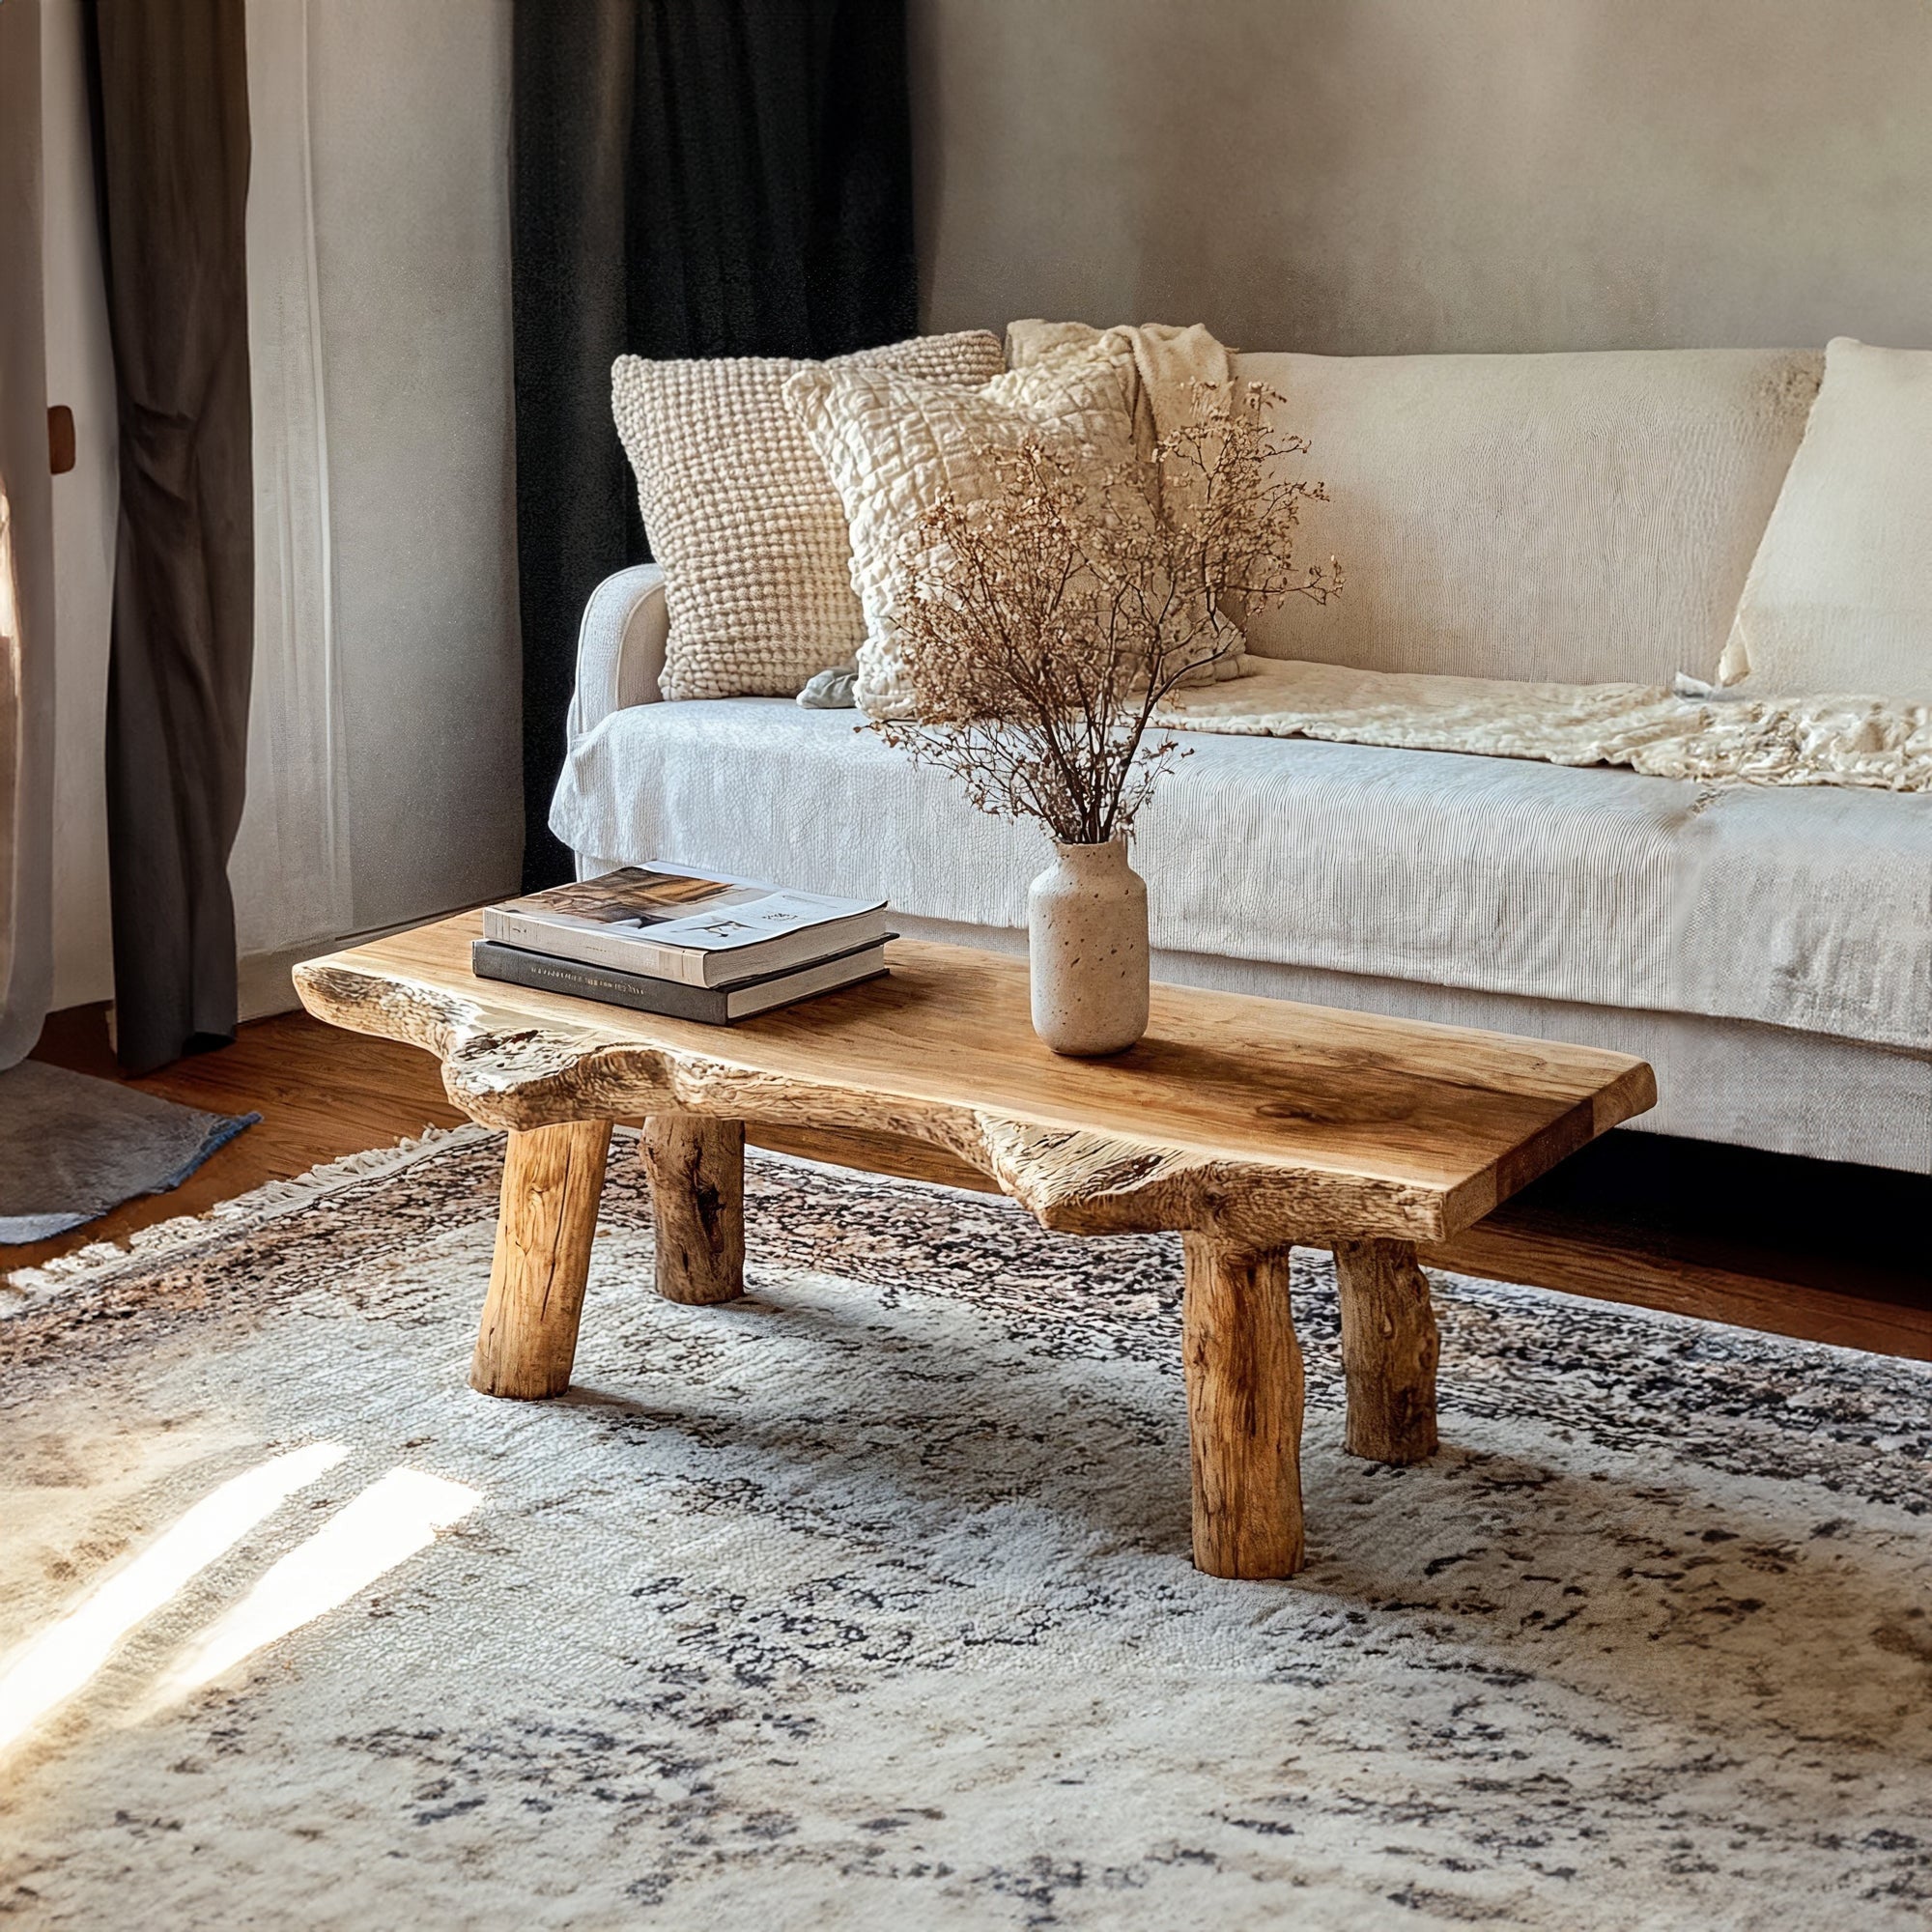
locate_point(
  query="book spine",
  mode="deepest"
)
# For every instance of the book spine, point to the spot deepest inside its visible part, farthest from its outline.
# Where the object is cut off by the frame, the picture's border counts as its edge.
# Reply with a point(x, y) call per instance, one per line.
point(490, 960)
point(673, 963)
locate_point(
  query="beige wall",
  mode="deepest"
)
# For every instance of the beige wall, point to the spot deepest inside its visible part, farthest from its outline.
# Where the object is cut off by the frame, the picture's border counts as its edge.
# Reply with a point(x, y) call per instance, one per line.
point(409, 110)
point(1357, 177)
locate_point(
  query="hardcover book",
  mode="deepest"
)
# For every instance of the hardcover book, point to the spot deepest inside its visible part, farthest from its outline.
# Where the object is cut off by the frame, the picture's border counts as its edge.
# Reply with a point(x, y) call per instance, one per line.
point(670, 924)
point(716, 1005)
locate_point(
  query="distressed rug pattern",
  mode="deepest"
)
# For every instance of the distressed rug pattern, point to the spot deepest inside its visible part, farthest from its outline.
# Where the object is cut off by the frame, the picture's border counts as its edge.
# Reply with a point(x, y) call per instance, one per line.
point(866, 1602)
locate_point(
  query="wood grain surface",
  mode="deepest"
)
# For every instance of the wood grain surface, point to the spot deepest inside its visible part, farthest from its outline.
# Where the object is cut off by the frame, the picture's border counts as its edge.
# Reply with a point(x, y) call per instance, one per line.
point(1261, 1118)
point(1244, 1401)
point(546, 1221)
point(696, 1173)
point(1389, 1352)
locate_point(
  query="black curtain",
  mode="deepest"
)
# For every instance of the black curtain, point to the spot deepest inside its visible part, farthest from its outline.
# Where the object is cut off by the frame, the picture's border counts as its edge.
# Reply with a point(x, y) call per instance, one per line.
point(169, 81)
point(692, 178)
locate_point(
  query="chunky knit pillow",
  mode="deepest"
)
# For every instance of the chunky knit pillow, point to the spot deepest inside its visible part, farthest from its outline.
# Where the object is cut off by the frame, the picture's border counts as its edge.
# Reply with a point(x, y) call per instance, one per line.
point(891, 443)
point(742, 516)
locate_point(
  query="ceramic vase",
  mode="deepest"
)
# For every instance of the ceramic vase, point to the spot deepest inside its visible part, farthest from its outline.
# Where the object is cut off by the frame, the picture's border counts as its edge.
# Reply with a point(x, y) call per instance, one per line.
point(1087, 941)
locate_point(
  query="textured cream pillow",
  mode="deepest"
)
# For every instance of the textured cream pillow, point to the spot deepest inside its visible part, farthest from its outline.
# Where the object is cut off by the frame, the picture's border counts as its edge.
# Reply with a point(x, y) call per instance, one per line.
point(1839, 597)
point(741, 517)
point(891, 443)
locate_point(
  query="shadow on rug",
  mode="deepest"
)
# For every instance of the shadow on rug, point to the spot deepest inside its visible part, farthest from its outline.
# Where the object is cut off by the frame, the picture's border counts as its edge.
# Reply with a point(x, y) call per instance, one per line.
point(866, 1602)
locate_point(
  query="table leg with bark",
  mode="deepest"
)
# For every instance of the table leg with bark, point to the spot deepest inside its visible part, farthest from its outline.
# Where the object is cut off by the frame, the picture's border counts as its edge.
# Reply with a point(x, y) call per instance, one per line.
point(1389, 1350)
point(546, 1220)
point(1244, 1398)
point(697, 1171)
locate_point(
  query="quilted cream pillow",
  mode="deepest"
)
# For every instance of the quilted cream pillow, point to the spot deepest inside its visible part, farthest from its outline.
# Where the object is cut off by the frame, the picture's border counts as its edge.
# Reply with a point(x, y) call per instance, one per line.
point(1839, 596)
point(742, 516)
point(891, 443)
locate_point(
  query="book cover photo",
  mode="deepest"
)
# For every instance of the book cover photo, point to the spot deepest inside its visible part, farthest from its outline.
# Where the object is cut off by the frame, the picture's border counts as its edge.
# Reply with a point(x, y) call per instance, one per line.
point(682, 926)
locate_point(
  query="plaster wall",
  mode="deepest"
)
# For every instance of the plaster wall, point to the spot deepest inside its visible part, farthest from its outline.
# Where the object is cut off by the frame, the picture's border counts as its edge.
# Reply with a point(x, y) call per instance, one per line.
point(1381, 177)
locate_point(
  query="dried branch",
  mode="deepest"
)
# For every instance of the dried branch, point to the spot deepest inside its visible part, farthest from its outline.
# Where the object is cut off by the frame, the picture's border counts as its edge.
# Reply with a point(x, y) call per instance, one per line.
point(1042, 626)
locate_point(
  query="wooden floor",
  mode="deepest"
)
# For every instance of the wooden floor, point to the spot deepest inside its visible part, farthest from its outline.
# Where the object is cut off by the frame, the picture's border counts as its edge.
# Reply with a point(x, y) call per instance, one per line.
point(1829, 1253)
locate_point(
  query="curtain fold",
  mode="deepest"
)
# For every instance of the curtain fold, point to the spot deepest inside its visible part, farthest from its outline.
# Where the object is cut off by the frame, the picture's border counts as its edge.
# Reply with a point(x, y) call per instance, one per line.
point(689, 178)
point(26, 555)
point(288, 871)
point(171, 130)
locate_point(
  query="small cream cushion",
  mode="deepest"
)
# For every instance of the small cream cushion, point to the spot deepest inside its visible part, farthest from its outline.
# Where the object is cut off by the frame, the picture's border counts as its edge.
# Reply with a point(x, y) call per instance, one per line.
point(1839, 597)
point(742, 516)
point(891, 443)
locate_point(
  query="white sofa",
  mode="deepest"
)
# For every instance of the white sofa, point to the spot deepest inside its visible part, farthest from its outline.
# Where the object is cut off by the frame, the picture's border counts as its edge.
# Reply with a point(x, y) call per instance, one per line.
point(1572, 517)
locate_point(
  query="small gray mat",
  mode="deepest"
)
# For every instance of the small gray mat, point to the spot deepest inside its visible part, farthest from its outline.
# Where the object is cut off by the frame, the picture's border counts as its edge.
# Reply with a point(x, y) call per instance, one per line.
point(73, 1146)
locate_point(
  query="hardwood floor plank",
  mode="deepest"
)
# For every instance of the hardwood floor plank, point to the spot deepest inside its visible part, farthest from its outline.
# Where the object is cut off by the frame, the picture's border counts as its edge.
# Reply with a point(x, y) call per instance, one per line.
point(1580, 1263)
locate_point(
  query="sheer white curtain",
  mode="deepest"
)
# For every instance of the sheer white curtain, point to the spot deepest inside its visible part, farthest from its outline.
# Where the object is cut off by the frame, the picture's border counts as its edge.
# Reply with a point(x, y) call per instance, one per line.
point(290, 868)
point(26, 553)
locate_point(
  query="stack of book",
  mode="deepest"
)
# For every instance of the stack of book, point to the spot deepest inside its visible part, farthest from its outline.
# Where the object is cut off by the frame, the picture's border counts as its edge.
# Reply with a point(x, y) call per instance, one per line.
point(664, 940)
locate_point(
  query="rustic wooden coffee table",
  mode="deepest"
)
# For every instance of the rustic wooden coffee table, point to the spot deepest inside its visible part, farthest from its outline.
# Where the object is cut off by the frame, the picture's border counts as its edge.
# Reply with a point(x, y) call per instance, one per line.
point(1247, 1125)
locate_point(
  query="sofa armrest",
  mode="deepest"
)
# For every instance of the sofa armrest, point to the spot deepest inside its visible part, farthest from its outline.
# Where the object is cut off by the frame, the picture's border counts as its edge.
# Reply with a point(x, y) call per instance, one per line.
point(620, 648)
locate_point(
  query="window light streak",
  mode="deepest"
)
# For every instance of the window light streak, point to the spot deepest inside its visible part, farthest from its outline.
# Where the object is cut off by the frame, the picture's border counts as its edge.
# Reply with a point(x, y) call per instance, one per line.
point(61, 1660)
point(385, 1525)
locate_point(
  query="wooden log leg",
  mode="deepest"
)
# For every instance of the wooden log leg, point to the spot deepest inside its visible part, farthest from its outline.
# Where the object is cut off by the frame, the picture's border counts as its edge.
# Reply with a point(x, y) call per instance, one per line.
point(1243, 1410)
point(553, 1178)
point(1388, 1352)
point(696, 1169)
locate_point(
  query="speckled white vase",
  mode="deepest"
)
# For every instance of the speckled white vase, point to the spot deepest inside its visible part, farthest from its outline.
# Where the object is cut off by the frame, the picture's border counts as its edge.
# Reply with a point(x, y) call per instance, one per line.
point(1087, 939)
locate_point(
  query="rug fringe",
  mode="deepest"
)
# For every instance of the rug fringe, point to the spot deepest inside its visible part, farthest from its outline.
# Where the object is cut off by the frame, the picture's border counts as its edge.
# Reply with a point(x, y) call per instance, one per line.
point(30, 1287)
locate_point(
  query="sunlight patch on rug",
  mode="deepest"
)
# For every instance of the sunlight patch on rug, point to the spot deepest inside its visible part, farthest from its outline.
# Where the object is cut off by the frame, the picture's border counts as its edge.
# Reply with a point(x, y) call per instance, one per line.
point(387, 1525)
point(51, 1666)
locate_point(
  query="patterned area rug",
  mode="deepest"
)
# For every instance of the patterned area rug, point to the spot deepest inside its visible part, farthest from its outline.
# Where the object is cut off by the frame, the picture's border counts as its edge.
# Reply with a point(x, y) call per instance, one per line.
point(865, 1603)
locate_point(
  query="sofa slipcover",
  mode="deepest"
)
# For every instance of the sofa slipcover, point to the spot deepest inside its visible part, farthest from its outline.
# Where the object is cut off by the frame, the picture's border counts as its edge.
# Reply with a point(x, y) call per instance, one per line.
point(1801, 909)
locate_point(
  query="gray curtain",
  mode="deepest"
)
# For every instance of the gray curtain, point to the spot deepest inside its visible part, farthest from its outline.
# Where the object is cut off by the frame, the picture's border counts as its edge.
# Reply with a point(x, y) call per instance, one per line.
point(691, 178)
point(26, 552)
point(171, 134)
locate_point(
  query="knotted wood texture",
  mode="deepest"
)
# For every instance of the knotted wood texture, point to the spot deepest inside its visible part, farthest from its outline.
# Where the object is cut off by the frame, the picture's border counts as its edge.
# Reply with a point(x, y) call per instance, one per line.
point(1245, 1397)
point(697, 1171)
point(1389, 1350)
point(546, 1219)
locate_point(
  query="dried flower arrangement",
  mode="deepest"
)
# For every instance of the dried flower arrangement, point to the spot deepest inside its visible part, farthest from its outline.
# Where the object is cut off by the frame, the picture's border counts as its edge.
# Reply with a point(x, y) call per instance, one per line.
point(1042, 625)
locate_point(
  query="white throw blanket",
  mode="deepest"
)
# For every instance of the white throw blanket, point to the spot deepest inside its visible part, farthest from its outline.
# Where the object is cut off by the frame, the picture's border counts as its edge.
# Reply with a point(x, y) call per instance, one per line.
point(1830, 740)
point(1163, 366)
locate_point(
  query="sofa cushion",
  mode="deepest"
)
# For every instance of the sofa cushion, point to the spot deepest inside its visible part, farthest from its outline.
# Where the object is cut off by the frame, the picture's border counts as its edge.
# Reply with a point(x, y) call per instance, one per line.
point(742, 516)
point(1803, 908)
point(893, 443)
point(1578, 518)
point(1839, 597)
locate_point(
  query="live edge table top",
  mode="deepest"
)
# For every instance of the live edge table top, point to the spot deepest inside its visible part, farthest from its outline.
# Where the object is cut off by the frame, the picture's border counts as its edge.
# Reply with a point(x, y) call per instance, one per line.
point(1259, 1120)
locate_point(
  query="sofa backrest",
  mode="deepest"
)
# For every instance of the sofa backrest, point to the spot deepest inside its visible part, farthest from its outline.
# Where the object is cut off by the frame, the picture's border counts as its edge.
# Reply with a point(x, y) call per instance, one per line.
point(1577, 518)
